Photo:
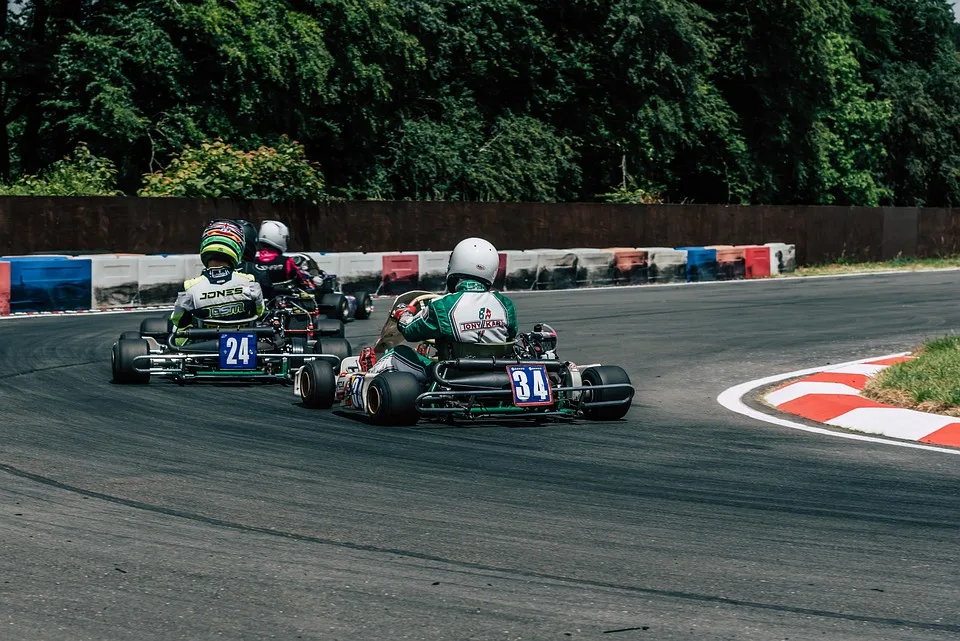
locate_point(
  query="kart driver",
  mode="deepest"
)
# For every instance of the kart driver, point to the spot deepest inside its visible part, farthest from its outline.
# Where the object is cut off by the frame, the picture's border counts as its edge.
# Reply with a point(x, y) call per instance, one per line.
point(249, 263)
point(280, 269)
point(220, 293)
point(469, 313)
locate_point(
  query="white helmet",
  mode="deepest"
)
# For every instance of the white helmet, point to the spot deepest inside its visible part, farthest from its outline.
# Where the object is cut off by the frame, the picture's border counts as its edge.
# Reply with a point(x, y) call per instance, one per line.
point(275, 234)
point(473, 258)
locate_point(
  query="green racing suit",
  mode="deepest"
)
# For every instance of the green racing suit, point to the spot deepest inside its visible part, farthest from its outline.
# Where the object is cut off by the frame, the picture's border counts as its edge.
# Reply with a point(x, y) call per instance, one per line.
point(471, 314)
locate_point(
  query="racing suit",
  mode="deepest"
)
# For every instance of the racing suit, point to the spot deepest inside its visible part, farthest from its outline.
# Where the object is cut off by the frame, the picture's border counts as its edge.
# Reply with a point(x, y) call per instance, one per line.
point(220, 294)
point(472, 314)
point(281, 269)
point(250, 267)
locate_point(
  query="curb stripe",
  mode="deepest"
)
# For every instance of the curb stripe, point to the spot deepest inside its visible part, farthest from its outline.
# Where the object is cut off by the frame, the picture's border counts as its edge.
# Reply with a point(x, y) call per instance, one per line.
point(826, 407)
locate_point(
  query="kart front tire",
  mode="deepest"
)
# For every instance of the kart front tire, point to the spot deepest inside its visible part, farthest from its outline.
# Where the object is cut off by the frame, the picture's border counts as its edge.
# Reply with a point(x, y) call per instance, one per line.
point(392, 399)
point(124, 370)
point(364, 306)
point(130, 336)
point(605, 375)
point(157, 327)
point(318, 385)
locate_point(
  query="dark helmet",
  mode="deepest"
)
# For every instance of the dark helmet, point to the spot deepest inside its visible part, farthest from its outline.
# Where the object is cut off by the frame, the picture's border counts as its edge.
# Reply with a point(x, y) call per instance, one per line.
point(250, 234)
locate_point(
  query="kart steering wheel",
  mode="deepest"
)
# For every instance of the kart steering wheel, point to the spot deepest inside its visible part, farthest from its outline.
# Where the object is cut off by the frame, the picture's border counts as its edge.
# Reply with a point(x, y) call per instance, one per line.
point(421, 300)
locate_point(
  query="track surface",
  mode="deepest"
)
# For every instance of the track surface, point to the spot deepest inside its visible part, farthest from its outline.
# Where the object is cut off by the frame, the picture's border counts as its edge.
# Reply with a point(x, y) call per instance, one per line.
point(197, 513)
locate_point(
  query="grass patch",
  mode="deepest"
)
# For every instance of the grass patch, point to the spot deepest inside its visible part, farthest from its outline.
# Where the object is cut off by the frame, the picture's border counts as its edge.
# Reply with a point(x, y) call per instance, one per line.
point(899, 264)
point(930, 382)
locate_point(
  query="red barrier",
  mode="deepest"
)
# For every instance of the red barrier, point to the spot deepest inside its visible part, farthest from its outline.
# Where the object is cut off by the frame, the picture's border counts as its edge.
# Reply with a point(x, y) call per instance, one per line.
point(401, 273)
point(4, 289)
point(501, 280)
point(756, 260)
point(631, 266)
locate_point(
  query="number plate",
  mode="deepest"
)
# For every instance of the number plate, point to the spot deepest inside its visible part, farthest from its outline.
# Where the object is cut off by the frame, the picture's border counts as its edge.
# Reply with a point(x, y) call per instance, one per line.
point(530, 385)
point(238, 351)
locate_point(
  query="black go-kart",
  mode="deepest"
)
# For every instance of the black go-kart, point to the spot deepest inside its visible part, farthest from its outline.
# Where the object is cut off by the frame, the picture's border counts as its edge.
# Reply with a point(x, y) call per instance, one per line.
point(265, 350)
point(332, 302)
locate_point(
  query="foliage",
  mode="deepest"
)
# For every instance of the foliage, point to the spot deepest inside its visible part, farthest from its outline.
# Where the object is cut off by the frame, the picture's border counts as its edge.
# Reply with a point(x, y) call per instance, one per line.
point(769, 101)
point(218, 170)
point(79, 174)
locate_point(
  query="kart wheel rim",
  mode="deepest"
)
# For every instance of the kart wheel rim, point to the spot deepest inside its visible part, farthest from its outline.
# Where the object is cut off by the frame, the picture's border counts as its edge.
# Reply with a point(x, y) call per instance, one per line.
point(373, 399)
point(305, 387)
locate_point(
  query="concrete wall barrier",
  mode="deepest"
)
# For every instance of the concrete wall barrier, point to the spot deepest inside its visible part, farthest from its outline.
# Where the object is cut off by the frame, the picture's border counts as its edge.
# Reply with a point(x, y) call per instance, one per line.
point(4, 288)
point(433, 271)
point(667, 265)
point(361, 272)
point(556, 269)
point(731, 262)
point(701, 264)
point(630, 266)
point(115, 280)
point(46, 284)
point(160, 278)
point(783, 258)
point(595, 267)
point(520, 271)
point(401, 273)
point(756, 260)
point(62, 282)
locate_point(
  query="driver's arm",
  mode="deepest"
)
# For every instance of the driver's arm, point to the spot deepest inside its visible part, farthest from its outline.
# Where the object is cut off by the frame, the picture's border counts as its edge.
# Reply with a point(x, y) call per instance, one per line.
point(421, 326)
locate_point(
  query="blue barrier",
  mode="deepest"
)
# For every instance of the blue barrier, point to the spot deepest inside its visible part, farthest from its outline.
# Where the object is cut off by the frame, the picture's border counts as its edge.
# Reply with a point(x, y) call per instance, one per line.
point(46, 284)
point(701, 264)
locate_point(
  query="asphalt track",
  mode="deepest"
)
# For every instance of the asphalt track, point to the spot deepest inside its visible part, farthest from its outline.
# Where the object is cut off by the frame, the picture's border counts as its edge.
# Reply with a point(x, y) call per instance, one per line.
point(194, 513)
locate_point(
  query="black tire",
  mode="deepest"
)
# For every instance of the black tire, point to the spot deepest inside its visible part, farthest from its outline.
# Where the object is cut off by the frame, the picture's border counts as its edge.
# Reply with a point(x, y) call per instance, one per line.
point(364, 306)
point(318, 385)
point(298, 342)
point(605, 375)
point(158, 327)
point(329, 328)
point(392, 399)
point(130, 336)
point(124, 351)
point(338, 307)
point(339, 347)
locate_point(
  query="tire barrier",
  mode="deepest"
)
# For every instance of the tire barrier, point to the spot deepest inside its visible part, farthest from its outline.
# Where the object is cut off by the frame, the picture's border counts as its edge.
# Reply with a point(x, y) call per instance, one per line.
point(57, 283)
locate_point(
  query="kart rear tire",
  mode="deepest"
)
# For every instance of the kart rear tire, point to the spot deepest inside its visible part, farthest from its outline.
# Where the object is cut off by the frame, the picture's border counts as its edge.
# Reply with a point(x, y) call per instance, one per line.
point(364, 306)
point(158, 327)
point(318, 385)
point(328, 328)
point(298, 342)
point(392, 399)
point(124, 351)
point(338, 307)
point(339, 347)
point(605, 375)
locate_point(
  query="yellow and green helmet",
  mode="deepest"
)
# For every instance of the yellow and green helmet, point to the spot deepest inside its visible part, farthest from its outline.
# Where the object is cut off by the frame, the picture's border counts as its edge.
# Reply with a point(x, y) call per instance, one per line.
point(223, 239)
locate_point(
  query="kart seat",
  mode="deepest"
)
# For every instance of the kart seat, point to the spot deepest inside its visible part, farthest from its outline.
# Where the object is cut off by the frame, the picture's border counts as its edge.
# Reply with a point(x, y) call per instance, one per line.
point(447, 351)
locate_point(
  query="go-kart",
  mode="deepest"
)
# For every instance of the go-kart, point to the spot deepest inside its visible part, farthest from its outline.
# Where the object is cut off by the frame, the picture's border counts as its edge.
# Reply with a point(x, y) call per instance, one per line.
point(331, 300)
point(246, 350)
point(523, 379)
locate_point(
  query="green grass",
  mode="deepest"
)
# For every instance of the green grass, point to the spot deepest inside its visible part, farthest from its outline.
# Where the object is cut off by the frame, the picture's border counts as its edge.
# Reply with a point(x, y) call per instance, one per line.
point(902, 264)
point(929, 382)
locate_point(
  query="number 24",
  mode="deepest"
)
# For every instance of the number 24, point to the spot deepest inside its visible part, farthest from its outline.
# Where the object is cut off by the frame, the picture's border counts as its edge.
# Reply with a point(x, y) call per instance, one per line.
point(244, 349)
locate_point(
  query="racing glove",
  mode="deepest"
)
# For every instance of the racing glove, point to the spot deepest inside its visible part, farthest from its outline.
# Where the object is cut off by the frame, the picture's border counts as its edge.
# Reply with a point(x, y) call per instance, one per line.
point(401, 310)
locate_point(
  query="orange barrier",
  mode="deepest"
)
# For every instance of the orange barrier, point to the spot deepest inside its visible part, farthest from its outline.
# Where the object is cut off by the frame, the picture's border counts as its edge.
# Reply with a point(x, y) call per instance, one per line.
point(756, 260)
point(631, 266)
point(4, 289)
point(730, 262)
point(401, 273)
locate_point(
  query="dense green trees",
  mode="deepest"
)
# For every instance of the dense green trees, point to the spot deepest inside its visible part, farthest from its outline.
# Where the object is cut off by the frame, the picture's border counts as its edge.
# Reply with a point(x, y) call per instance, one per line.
point(767, 101)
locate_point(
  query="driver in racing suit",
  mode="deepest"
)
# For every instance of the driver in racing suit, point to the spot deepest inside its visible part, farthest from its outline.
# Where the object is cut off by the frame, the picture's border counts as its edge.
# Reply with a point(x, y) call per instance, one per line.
point(280, 269)
point(220, 293)
point(469, 313)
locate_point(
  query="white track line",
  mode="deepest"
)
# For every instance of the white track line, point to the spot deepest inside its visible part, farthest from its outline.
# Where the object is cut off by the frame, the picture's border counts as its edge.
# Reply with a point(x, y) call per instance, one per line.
point(732, 400)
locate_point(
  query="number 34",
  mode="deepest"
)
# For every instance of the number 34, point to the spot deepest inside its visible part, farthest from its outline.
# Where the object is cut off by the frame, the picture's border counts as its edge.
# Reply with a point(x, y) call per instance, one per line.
point(540, 390)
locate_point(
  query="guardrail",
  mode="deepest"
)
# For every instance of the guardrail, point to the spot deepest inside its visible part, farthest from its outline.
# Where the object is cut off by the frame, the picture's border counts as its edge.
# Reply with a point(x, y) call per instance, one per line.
point(52, 283)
